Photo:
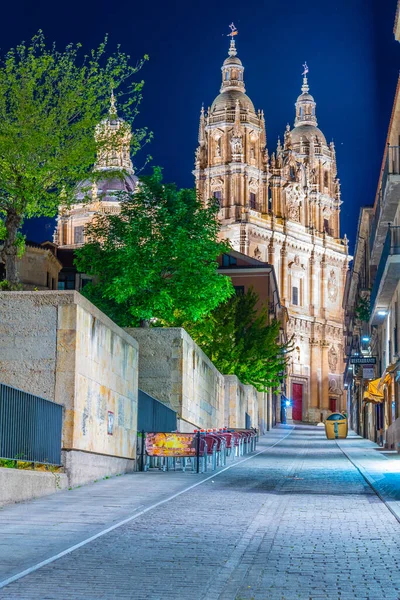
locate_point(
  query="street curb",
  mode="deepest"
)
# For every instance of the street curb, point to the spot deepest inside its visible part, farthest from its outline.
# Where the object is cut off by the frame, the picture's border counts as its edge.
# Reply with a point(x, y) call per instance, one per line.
point(371, 482)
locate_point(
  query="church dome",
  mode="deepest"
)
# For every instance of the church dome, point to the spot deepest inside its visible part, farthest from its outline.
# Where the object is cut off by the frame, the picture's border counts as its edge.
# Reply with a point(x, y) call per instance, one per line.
point(228, 99)
point(232, 86)
point(307, 132)
point(107, 189)
point(232, 60)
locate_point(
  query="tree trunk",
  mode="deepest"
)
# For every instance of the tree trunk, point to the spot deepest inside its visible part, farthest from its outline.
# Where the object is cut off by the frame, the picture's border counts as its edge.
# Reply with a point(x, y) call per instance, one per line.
point(144, 323)
point(9, 252)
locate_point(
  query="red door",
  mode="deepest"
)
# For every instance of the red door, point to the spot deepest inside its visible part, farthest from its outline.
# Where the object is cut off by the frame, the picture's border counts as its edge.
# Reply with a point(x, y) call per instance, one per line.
point(297, 398)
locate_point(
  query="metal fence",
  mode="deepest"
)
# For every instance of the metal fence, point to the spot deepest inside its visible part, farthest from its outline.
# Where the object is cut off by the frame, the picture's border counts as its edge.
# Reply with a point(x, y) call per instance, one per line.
point(154, 415)
point(30, 427)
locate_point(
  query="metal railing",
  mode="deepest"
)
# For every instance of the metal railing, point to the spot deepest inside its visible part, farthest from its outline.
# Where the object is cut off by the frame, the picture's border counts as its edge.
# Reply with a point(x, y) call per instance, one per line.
point(390, 248)
point(154, 415)
point(391, 167)
point(30, 427)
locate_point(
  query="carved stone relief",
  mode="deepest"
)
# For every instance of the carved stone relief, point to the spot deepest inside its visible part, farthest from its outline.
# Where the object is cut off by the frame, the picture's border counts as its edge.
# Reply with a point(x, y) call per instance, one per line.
point(332, 359)
point(294, 198)
point(332, 286)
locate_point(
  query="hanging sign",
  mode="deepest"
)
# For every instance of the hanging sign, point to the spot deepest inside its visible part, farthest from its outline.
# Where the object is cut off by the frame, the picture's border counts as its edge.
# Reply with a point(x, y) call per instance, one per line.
point(363, 360)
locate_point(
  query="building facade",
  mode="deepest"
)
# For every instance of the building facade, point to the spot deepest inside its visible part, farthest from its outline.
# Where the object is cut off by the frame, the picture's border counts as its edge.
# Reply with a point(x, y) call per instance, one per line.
point(283, 210)
point(249, 273)
point(374, 396)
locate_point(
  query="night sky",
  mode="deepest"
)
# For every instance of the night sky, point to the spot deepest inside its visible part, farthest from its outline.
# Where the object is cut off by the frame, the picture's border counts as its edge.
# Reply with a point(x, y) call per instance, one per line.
point(348, 44)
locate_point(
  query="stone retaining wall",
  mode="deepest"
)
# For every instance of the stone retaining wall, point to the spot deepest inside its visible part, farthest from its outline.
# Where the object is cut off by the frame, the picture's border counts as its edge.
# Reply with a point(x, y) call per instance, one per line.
point(173, 369)
point(60, 346)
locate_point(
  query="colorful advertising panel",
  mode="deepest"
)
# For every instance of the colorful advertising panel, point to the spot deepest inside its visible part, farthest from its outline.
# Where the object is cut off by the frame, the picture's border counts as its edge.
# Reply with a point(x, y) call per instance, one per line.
point(171, 444)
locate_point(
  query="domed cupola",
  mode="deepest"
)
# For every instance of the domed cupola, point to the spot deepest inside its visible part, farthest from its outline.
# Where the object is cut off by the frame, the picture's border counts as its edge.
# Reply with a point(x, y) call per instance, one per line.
point(305, 105)
point(232, 86)
point(113, 139)
point(232, 71)
point(306, 128)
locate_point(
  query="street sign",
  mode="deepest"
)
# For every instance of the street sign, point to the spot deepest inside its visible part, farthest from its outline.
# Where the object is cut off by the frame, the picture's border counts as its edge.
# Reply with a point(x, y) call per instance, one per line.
point(368, 372)
point(363, 360)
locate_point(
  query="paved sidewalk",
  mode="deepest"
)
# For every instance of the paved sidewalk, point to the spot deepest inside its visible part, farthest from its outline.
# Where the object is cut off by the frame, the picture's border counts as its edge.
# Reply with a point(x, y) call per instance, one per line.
point(33, 531)
point(295, 522)
point(380, 468)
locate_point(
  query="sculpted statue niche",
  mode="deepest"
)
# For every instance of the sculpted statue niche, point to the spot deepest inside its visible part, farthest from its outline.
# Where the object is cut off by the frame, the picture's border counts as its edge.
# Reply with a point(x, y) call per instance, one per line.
point(332, 286)
point(332, 359)
point(236, 145)
point(294, 198)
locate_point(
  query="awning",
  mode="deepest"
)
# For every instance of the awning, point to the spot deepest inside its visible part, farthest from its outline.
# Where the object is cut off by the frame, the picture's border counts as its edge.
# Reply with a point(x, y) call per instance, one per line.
point(373, 393)
point(375, 390)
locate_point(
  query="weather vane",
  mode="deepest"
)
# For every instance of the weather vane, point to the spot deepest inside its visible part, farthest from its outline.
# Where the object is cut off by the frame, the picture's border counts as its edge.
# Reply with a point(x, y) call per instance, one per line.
point(233, 29)
point(306, 69)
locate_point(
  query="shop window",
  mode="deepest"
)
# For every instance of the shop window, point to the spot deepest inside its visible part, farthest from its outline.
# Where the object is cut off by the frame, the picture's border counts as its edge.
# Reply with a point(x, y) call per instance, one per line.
point(66, 281)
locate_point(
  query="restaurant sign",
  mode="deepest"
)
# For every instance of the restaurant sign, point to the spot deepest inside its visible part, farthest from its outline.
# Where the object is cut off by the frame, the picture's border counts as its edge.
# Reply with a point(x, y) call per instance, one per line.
point(363, 360)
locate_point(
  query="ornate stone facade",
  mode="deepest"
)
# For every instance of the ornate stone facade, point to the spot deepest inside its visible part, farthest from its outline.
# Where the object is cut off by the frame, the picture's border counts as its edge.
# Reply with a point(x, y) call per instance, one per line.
point(286, 210)
point(113, 173)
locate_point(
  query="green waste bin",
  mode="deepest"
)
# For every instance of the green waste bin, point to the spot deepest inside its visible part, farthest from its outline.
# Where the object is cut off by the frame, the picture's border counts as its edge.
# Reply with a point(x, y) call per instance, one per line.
point(336, 426)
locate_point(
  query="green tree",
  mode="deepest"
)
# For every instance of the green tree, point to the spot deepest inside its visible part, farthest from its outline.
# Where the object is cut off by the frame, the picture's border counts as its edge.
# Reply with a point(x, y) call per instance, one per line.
point(157, 258)
point(50, 102)
point(362, 310)
point(239, 340)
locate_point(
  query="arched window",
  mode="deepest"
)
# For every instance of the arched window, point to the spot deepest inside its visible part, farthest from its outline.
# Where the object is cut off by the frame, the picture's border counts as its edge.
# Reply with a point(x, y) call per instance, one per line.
point(218, 196)
point(253, 201)
point(326, 179)
point(226, 75)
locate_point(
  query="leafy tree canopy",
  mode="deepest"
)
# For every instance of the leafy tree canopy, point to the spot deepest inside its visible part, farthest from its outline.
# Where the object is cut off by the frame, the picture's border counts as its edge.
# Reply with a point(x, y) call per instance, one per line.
point(239, 340)
point(50, 103)
point(157, 258)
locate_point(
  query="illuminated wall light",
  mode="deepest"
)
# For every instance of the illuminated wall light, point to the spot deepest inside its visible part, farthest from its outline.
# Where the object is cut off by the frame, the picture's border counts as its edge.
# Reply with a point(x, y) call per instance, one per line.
point(382, 313)
point(365, 338)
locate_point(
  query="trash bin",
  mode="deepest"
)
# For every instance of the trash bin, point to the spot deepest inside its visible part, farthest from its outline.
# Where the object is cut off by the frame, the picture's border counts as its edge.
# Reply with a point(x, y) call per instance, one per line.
point(336, 426)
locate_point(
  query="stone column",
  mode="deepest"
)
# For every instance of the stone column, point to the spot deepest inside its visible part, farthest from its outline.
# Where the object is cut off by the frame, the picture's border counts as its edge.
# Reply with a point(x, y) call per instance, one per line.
point(322, 304)
point(324, 377)
point(315, 363)
point(284, 274)
point(311, 284)
point(271, 253)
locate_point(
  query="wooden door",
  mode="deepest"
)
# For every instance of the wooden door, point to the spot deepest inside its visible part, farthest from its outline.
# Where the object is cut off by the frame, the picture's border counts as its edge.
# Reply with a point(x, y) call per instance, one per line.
point(297, 398)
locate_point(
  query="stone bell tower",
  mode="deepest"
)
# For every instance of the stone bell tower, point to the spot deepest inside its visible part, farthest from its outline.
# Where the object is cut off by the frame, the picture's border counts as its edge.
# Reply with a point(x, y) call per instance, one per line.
point(231, 158)
point(286, 212)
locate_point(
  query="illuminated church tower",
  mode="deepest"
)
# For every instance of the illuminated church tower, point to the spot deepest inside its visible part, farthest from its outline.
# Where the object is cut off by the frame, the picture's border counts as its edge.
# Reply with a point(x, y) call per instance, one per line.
point(285, 211)
point(231, 159)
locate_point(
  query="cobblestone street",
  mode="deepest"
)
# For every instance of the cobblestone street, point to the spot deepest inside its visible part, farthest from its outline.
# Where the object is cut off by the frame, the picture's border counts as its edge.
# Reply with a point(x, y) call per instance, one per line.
point(297, 520)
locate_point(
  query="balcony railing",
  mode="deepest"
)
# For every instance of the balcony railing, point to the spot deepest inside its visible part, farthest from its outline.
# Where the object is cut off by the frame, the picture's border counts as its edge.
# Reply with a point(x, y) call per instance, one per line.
point(391, 167)
point(391, 247)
